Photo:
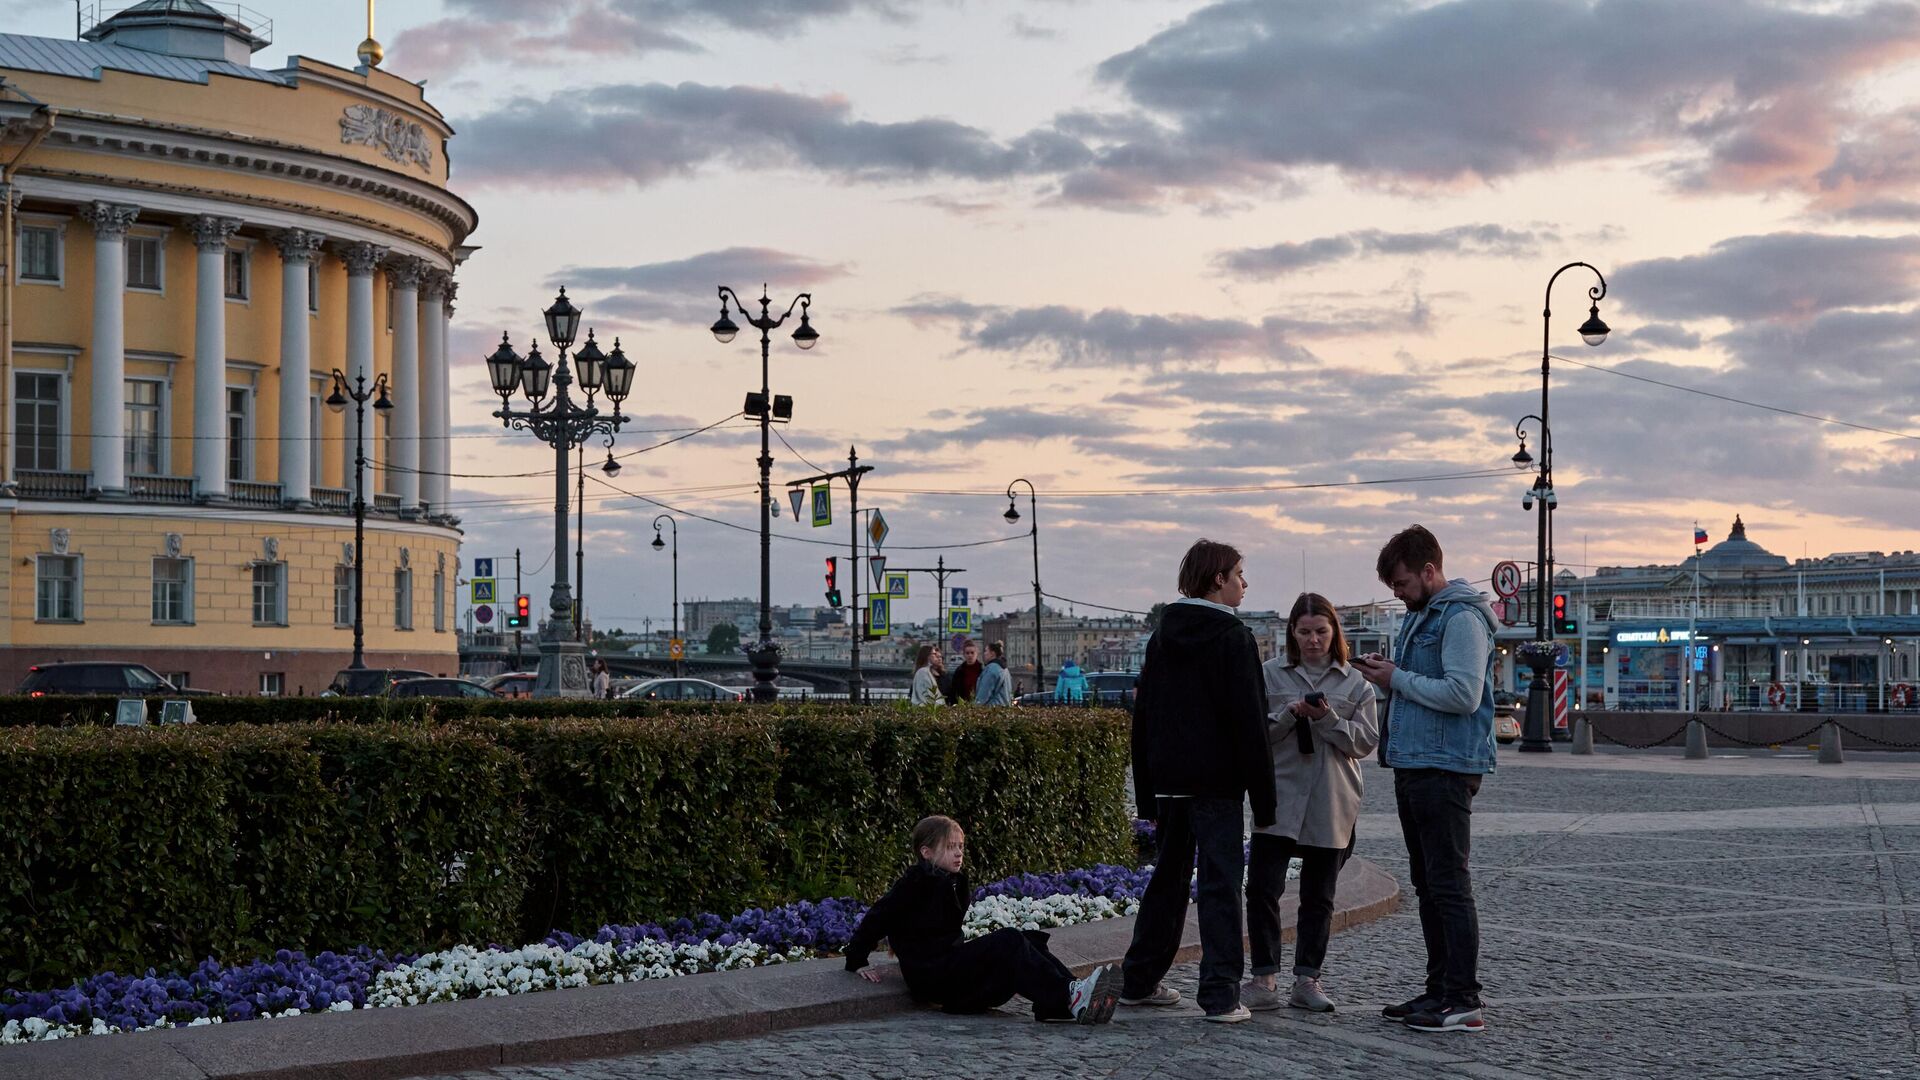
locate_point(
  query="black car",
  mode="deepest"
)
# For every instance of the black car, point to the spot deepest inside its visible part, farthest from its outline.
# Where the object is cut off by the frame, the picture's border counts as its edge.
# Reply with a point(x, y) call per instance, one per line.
point(95, 677)
point(438, 687)
point(368, 682)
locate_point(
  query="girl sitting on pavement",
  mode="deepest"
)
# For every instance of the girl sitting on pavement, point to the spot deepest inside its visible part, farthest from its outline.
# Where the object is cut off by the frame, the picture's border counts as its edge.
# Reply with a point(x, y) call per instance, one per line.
point(1320, 728)
point(920, 917)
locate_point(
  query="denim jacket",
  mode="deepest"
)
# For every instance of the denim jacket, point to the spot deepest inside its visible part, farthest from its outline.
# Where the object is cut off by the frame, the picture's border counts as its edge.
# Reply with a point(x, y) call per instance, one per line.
point(1419, 734)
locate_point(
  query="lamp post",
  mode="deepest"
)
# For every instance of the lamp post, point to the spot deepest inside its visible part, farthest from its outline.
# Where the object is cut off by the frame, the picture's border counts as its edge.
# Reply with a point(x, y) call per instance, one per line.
point(1033, 528)
point(765, 654)
point(1536, 738)
point(657, 545)
point(563, 424)
point(359, 392)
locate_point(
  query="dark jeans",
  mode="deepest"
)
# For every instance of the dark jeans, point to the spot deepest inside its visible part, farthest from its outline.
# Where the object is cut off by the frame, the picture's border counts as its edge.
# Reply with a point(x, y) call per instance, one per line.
point(1267, 883)
point(1212, 828)
point(1436, 816)
point(986, 972)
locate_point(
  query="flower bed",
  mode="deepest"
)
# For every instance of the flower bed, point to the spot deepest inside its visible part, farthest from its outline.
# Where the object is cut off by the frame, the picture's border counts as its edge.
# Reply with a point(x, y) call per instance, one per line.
point(291, 984)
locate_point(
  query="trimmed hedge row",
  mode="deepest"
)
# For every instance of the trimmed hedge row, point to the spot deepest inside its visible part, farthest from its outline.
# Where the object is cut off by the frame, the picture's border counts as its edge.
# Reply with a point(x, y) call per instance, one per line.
point(128, 848)
point(80, 711)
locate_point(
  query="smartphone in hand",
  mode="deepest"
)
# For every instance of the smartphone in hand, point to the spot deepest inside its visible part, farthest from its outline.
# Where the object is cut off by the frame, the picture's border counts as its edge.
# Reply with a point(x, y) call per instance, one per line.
point(1317, 699)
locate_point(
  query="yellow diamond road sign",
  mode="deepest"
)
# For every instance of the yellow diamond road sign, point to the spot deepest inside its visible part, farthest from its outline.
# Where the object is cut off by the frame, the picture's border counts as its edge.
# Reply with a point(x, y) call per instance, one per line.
point(877, 530)
point(676, 649)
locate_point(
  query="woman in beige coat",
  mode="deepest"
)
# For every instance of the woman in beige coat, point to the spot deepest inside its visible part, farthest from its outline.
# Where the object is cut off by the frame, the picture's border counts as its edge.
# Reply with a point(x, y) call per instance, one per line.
point(1320, 726)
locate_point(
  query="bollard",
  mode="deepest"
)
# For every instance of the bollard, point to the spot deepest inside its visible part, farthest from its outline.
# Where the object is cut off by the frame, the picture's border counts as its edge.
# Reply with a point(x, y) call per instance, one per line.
point(1696, 739)
point(1830, 751)
point(1582, 736)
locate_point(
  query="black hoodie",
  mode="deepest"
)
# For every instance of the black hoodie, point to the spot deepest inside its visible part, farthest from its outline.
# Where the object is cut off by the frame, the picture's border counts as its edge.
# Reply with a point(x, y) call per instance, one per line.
point(1200, 713)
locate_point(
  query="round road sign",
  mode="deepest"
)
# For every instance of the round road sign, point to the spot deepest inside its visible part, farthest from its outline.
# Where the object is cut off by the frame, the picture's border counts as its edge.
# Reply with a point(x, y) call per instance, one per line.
point(1506, 579)
point(483, 614)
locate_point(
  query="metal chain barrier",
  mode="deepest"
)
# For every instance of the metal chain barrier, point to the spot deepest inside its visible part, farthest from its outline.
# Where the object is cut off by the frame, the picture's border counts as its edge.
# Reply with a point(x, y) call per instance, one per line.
point(1895, 744)
point(1598, 734)
point(1768, 742)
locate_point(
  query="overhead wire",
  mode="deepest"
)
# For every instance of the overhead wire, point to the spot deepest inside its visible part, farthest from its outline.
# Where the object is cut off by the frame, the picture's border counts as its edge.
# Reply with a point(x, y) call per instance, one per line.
point(1730, 399)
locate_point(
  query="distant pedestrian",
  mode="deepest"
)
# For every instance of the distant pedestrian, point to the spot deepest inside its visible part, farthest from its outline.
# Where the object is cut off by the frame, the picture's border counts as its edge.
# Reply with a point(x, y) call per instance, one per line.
point(602, 680)
point(928, 665)
point(966, 675)
point(1320, 729)
point(1438, 739)
point(921, 918)
point(1199, 753)
point(1071, 686)
point(995, 686)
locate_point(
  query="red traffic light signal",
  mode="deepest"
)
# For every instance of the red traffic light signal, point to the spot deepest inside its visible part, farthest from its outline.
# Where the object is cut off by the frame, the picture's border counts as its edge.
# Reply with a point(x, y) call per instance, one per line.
point(522, 613)
point(1562, 622)
point(833, 587)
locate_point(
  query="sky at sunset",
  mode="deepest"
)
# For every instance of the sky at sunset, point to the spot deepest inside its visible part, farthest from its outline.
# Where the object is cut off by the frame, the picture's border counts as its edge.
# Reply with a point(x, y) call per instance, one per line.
point(1172, 261)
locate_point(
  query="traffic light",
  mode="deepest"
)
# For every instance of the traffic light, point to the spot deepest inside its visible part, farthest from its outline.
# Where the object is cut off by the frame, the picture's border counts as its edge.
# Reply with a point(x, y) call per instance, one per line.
point(833, 586)
point(522, 610)
point(1562, 621)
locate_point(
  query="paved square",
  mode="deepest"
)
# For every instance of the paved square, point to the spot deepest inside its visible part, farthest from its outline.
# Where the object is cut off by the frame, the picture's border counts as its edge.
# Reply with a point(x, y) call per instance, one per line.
point(1641, 917)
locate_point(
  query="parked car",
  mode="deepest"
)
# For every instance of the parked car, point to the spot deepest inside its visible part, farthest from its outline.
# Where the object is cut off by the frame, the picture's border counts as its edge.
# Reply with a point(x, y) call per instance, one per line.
point(99, 677)
point(513, 684)
point(1508, 709)
point(683, 690)
point(439, 687)
point(368, 682)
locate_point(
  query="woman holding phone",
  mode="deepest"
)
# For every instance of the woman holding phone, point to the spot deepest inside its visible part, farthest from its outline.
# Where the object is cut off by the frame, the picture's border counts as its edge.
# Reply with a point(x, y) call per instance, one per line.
point(1320, 725)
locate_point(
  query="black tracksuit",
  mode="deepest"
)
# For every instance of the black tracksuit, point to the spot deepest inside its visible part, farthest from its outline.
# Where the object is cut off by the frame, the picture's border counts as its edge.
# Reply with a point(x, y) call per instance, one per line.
point(920, 917)
point(1199, 749)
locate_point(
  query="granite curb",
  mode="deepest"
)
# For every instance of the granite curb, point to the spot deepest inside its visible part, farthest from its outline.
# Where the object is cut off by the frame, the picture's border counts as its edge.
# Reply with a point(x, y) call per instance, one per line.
point(565, 1025)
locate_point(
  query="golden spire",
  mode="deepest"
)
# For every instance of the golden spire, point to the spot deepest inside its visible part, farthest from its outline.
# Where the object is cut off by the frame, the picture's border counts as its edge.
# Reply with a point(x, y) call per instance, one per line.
point(370, 51)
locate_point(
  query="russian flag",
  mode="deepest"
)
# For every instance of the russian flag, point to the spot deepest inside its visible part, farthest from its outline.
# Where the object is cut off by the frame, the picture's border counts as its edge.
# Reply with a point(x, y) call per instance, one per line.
point(1699, 536)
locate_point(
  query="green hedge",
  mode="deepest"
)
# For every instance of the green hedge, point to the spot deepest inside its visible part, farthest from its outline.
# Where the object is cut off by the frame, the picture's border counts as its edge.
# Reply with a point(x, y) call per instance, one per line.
point(128, 848)
point(76, 711)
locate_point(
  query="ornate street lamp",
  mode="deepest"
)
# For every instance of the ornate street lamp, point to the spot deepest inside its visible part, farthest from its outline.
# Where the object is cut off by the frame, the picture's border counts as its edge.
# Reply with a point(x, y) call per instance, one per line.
point(359, 393)
point(563, 424)
point(765, 653)
point(1033, 528)
point(679, 664)
point(1536, 738)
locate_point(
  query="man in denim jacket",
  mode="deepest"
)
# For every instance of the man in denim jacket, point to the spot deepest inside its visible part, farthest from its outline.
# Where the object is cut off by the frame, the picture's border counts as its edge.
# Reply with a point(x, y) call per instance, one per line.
point(1438, 738)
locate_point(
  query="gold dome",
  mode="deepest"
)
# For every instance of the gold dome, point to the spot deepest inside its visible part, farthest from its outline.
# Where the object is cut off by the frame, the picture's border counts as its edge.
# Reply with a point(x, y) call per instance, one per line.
point(371, 53)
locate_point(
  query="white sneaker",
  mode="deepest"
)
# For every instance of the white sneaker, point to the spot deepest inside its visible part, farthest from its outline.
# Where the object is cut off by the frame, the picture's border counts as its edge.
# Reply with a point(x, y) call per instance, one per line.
point(1231, 1016)
point(1091, 1000)
point(1162, 995)
point(1308, 995)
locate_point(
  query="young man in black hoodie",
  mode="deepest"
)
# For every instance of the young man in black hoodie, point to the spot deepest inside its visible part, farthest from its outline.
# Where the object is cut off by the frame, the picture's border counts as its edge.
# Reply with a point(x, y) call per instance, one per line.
point(1199, 751)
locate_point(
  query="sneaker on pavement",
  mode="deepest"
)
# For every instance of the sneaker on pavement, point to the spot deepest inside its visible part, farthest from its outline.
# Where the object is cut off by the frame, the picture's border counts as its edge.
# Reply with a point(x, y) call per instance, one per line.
point(1231, 1016)
point(1449, 1018)
point(1399, 1013)
point(1161, 995)
point(1260, 998)
point(1308, 995)
point(1091, 999)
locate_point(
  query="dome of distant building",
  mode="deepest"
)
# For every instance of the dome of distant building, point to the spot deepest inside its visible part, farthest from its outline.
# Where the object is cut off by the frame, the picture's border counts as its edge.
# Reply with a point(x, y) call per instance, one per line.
point(1737, 553)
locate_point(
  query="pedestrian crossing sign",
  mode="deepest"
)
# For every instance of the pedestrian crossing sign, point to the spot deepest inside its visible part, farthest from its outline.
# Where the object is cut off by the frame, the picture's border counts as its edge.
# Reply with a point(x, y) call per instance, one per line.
point(822, 505)
point(483, 592)
point(896, 584)
point(879, 616)
point(960, 620)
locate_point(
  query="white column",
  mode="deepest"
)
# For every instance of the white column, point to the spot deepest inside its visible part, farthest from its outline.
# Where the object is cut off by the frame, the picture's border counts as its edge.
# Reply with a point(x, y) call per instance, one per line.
point(210, 356)
point(433, 392)
point(405, 273)
point(360, 258)
point(298, 249)
point(109, 391)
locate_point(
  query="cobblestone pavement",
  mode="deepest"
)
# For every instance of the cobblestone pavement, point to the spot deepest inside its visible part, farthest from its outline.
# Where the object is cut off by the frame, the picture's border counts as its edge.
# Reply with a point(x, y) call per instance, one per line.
point(1631, 927)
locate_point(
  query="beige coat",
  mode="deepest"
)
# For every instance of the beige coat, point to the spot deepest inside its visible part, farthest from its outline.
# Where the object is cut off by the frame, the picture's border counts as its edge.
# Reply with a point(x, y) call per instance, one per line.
point(1320, 792)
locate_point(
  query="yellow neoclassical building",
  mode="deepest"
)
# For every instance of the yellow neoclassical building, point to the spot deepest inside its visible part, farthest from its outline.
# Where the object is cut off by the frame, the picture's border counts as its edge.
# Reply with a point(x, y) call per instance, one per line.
point(193, 246)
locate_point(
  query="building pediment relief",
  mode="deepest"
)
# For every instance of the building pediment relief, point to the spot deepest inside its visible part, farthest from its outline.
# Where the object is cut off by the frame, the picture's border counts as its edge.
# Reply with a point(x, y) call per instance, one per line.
point(389, 132)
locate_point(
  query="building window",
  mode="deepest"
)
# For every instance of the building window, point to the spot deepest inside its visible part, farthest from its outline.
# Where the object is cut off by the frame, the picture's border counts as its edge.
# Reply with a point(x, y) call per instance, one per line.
point(40, 253)
point(239, 276)
point(56, 581)
point(146, 263)
point(239, 427)
point(36, 417)
point(313, 288)
point(176, 679)
point(439, 601)
point(403, 599)
point(314, 417)
point(343, 596)
point(273, 683)
point(269, 594)
point(173, 591)
point(143, 406)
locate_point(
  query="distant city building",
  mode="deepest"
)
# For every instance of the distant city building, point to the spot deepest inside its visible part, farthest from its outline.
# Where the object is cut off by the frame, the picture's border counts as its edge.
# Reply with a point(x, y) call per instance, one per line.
point(1063, 636)
point(198, 243)
point(701, 616)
